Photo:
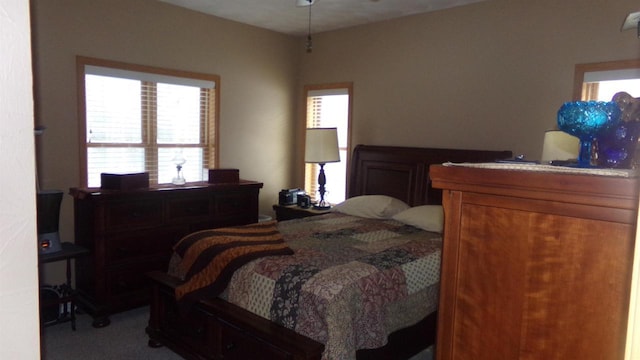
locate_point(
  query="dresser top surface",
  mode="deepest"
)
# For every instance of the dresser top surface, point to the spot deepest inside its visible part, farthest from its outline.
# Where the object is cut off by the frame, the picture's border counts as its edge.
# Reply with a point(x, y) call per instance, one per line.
point(242, 184)
point(579, 188)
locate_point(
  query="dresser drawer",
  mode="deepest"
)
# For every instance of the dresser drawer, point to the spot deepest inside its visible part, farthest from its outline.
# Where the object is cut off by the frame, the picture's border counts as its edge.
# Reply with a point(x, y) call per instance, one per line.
point(133, 214)
point(188, 209)
point(135, 245)
point(233, 204)
point(124, 283)
point(239, 345)
point(197, 330)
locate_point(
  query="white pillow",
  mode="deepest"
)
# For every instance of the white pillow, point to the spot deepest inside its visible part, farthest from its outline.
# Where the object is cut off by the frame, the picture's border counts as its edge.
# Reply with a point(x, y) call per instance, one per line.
point(426, 217)
point(371, 206)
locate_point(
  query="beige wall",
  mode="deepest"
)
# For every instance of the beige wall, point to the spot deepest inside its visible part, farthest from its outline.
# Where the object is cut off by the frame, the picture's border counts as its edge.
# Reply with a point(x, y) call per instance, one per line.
point(489, 75)
point(257, 69)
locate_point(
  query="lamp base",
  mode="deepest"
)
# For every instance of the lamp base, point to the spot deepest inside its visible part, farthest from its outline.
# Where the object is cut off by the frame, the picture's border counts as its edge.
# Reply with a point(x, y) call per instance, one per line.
point(322, 205)
point(178, 181)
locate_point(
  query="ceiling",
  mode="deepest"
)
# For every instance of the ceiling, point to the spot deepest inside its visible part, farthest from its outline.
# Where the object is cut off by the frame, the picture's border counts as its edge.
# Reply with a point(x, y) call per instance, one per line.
point(286, 17)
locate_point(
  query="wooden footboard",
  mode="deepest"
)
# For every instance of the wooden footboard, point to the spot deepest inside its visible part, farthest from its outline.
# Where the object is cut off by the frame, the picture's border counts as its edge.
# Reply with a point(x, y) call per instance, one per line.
point(216, 329)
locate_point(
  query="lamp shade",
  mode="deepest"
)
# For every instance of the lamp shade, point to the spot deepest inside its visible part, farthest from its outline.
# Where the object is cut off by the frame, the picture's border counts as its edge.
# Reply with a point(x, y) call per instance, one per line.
point(558, 145)
point(321, 146)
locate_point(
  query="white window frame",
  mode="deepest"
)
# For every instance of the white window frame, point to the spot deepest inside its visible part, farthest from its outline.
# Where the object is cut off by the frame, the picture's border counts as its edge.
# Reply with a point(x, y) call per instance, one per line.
point(209, 116)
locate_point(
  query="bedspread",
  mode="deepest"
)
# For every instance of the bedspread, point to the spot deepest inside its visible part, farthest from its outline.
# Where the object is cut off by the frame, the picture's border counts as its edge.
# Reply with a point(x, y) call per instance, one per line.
point(350, 282)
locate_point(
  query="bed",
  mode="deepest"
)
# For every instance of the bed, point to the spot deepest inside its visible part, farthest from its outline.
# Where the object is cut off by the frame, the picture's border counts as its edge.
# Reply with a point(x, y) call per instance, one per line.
point(238, 324)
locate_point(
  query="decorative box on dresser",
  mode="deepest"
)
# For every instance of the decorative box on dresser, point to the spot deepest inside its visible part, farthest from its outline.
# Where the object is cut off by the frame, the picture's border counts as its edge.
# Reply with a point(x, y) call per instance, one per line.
point(130, 233)
point(535, 265)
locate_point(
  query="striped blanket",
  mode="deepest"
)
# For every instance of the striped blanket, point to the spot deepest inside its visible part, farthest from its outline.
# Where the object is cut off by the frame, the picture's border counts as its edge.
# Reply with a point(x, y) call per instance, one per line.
point(209, 257)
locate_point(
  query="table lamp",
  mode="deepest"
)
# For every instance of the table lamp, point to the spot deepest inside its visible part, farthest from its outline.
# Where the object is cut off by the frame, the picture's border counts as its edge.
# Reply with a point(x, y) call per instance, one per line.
point(558, 145)
point(178, 160)
point(321, 148)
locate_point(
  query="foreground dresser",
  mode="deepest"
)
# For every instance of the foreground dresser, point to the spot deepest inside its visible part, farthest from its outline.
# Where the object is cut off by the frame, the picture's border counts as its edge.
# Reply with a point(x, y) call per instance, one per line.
point(130, 233)
point(535, 265)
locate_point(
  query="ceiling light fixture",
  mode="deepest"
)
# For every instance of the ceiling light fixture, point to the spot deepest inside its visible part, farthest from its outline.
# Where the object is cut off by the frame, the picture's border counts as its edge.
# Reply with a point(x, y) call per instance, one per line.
point(309, 44)
point(632, 22)
point(309, 41)
point(308, 3)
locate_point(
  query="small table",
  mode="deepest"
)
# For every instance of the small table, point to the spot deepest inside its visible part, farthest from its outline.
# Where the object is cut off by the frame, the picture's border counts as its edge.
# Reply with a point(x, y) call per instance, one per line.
point(68, 298)
point(288, 212)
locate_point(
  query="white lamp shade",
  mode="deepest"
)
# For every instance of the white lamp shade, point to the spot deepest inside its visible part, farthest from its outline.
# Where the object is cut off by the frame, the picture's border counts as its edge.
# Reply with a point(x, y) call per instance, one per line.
point(558, 145)
point(322, 146)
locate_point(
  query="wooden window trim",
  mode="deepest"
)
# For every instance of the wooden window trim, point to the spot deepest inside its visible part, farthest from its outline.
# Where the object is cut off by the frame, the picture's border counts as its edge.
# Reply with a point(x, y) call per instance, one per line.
point(214, 99)
point(581, 69)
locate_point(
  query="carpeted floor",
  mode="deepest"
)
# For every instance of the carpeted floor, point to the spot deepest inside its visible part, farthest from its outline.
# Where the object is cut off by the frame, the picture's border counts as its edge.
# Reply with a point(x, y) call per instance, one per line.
point(124, 339)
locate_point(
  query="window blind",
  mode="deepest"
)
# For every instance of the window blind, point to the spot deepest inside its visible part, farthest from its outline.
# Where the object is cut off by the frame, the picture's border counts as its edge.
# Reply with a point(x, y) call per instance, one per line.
point(608, 75)
point(137, 121)
point(314, 119)
point(329, 107)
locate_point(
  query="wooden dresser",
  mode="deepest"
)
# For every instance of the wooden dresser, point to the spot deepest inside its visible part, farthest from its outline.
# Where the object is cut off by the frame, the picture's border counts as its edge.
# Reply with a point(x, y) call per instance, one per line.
point(534, 265)
point(130, 233)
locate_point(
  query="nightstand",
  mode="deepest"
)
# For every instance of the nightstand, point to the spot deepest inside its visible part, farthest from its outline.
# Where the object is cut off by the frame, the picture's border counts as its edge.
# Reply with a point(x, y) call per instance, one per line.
point(67, 296)
point(288, 212)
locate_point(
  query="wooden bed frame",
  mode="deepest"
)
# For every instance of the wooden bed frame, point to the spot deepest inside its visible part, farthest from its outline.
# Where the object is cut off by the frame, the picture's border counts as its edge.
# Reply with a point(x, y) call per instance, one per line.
point(215, 329)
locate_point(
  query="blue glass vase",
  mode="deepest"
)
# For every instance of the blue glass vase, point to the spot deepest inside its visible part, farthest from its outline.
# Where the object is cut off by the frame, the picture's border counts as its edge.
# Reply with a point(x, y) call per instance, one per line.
point(586, 120)
point(617, 145)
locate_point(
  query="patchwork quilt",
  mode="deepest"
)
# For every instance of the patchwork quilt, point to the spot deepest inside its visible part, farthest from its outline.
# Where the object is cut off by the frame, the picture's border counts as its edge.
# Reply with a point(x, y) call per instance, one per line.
point(349, 283)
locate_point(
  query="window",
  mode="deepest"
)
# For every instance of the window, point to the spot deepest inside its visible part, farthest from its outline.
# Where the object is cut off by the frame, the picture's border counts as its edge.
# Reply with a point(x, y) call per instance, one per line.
point(138, 118)
point(330, 106)
point(600, 81)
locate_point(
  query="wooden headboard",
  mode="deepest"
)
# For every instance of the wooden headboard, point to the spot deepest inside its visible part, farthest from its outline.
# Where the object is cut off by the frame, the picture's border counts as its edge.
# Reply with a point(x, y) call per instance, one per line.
point(403, 172)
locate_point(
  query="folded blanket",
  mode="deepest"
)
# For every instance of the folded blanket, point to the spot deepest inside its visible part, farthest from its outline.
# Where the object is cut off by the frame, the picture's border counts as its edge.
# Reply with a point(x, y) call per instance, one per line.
point(210, 257)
